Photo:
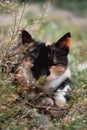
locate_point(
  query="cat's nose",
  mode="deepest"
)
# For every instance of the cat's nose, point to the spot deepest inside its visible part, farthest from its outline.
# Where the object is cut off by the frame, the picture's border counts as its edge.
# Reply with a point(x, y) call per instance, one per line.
point(45, 71)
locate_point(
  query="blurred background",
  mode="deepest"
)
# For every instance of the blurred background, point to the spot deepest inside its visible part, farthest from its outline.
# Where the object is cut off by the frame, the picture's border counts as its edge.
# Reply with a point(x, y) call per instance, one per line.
point(49, 20)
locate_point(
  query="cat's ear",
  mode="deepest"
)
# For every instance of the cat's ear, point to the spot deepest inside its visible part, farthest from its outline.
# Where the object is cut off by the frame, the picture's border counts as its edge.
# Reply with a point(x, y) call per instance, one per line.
point(26, 37)
point(64, 41)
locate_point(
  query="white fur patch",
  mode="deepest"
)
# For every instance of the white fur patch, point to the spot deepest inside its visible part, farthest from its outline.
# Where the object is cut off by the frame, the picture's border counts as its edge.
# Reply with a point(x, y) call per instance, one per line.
point(26, 74)
point(59, 97)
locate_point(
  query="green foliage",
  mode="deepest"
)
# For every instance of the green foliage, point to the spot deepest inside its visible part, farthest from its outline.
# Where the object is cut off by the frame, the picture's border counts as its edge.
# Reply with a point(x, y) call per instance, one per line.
point(42, 79)
point(78, 7)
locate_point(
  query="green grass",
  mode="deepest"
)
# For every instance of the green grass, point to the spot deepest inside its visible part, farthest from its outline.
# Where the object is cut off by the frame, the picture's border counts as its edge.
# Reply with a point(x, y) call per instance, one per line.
point(15, 114)
point(76, 6)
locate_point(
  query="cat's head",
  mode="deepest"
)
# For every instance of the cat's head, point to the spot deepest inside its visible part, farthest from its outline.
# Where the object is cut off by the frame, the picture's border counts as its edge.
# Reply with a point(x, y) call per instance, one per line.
point(40, 55)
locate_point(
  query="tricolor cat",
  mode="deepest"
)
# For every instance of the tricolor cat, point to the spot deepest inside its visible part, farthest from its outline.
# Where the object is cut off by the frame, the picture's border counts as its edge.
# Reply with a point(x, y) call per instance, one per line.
point(44, 59)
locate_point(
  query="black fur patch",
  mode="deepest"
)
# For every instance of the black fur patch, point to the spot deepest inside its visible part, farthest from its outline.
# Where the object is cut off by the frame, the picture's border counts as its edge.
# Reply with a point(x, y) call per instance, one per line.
point(41, 64)
point(67, 81)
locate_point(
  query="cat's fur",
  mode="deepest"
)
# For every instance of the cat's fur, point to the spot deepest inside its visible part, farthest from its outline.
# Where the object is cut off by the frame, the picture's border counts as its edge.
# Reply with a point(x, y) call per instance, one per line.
point(50, 60)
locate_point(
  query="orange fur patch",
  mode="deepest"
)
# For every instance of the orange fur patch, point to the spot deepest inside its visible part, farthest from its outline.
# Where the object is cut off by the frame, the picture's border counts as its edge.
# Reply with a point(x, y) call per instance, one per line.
point(57, 70)
point(20, 78)
point(48, 43)
point(27, 63)
point(67, 42)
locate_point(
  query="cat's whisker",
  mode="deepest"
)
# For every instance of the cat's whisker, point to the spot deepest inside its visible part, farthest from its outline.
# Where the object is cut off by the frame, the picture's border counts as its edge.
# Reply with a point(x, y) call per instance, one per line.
point(60, 54)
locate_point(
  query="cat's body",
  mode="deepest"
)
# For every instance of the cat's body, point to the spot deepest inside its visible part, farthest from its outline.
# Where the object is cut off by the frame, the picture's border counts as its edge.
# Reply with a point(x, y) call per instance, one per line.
point(49, 60)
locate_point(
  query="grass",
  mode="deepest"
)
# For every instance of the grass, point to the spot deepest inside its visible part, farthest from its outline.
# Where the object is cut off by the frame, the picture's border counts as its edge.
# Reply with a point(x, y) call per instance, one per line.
point(15, 114)
point(76, 6)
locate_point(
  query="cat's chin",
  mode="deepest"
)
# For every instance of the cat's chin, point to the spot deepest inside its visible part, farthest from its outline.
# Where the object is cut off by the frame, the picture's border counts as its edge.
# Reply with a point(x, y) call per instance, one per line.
point(53, 81)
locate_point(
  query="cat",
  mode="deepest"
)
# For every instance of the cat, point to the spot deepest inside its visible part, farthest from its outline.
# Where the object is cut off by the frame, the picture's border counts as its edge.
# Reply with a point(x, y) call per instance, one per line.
point(59, 80)
point(44, 59)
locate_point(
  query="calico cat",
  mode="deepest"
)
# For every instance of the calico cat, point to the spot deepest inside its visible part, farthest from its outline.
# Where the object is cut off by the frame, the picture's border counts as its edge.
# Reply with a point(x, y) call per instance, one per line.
point(49, 60)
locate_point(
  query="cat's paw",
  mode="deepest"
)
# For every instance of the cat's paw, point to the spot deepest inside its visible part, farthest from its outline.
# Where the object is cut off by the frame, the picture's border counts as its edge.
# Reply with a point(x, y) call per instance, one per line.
point(47, 102)
point(59, 103)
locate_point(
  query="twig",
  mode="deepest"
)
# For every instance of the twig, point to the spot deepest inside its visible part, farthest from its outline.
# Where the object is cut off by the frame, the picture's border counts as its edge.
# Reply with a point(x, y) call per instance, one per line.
point(21, 15)
point(45, 107)
point(15, 27)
